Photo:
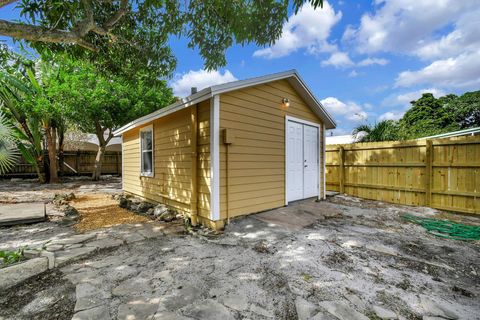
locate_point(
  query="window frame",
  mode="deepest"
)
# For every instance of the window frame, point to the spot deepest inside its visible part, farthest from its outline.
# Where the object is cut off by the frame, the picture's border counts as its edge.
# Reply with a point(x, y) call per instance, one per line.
point(142, 173)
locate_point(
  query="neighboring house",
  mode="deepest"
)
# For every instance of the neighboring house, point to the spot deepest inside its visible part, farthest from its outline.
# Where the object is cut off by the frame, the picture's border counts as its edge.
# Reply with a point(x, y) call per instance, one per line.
point(222, 152)
point(459, 133)
point(344, 139)
point(89, 142)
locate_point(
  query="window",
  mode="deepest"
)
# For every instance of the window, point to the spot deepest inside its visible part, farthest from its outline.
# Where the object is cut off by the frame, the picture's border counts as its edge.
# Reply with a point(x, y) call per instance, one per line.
point(146, 150)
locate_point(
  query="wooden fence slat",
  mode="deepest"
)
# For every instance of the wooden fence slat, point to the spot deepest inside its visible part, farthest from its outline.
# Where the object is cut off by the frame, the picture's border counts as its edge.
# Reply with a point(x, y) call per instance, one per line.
point(440, 173)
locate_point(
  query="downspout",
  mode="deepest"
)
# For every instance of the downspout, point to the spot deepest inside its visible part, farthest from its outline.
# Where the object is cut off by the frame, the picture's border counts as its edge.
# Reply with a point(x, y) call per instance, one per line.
point(193, 145)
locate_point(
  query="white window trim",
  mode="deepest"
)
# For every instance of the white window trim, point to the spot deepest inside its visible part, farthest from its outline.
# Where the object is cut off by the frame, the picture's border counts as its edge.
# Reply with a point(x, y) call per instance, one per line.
point(144, 174)
point(215, 158)
point(313, 124)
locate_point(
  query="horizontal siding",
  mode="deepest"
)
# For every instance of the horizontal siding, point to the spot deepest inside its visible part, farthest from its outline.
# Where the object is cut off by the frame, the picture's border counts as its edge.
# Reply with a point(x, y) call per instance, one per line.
point(173, 167)
point(256, 166)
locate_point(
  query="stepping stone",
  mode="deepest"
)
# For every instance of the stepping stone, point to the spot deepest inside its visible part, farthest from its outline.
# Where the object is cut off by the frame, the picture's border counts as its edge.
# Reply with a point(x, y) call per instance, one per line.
point(209, 309)
point(383, 313)
point(64, 256)
point(432, 308)
point(22, 213)
point(89, 296)
point(342, 311)
point(98, 313)
point(138, 309)
point(78, 238)
point(236, 301)
point(305, 309)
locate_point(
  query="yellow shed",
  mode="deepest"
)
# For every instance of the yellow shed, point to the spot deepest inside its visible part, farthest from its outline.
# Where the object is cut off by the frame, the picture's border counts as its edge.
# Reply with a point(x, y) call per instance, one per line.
point(229, 150)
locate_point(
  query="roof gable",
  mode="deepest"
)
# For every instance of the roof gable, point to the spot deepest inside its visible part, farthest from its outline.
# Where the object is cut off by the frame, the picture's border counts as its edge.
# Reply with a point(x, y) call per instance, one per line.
point(291, 76)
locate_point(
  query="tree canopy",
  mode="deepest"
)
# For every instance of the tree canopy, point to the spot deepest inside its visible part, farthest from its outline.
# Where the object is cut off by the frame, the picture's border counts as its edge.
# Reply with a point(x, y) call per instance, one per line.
point(428, 116)
point(131, 35)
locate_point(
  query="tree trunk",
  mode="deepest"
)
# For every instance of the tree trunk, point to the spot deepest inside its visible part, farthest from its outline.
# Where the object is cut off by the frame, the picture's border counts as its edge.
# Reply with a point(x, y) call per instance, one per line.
point(97, 170)
point(102, 145)
point(52, 153)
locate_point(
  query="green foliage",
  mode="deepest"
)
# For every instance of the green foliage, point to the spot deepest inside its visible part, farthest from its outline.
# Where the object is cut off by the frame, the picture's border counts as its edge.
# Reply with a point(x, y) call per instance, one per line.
point(139, 40)
point(96, 100)
point(428, 116)
point(386, 130)
point(8, 153)
point(10, 257)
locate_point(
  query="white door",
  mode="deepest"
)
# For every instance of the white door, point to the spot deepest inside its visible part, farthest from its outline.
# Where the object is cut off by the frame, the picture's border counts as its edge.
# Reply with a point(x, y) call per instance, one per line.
point(295, 161)
point(302, 161)
point(310, 160)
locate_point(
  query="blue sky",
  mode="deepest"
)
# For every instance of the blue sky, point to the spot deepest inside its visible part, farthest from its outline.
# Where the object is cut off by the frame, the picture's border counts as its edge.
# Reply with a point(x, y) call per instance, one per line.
point(365, 60)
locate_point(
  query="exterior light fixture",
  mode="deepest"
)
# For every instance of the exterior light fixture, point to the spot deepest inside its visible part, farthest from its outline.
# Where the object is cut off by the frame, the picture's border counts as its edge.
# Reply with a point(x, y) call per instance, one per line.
point(286, 102)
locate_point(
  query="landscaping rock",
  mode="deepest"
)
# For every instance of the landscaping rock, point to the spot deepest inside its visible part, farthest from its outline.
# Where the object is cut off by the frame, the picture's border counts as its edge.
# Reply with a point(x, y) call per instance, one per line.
point(209, 309)
point(14, 274)
point(159, 210)
point(123, 202)
point(383, 313)
point(342, 311)
point(168, 216)
point(143, 207)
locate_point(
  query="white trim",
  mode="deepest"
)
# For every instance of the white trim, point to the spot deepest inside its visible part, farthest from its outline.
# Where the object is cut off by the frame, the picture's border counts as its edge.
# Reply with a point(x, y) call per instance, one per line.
point(309, 123)
point(123, 163)
point(215, 158)
point(291, 75)
point(151, 174)
point(324, 159)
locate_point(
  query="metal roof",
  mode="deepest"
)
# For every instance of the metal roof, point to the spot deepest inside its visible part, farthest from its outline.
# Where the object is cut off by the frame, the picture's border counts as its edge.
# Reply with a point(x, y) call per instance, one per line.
point(291, 76)
point(465, 132)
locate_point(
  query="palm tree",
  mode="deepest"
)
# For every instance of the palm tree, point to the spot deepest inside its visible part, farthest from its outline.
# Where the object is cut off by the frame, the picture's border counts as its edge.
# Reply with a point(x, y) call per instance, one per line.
point(13, 92)
point(8, 154)
point(386, 130)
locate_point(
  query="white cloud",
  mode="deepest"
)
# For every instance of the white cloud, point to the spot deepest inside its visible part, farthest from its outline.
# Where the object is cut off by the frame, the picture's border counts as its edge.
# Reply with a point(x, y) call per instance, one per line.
point(406, 25)
point(349, 110)
point(353, 74)
point(200, 79)
point(372, 61)
point(391, 115)
point(403, 99)
point(462, 71)
point(338, 60)
point(309, 29)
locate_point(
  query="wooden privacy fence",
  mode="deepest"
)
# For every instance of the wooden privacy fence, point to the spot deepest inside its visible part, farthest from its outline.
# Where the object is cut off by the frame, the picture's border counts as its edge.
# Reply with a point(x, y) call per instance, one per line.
point(76, 163)
point(439, 173)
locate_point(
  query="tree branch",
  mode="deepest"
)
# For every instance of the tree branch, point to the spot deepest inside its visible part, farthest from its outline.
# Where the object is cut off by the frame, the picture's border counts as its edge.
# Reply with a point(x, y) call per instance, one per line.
point(3, 3)
point(75, 36)
point(36, 33)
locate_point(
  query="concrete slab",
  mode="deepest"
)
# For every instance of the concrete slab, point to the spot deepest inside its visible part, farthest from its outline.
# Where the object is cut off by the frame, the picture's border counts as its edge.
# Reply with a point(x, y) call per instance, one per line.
point(22, 213)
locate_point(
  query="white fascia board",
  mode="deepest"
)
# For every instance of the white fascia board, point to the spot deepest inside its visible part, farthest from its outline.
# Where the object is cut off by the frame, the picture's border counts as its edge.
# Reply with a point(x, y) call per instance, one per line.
point(179, 105)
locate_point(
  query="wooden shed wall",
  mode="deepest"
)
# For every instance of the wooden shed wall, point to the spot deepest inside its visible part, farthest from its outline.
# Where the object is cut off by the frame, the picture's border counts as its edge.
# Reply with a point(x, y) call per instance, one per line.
point(256, 160)
point(171, 183)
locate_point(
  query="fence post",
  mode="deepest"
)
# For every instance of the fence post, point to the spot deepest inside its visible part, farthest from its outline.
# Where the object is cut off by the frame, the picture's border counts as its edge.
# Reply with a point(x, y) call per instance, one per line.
point(428, 172)
point(116, 162)
point(77, 162)
point(341, 169)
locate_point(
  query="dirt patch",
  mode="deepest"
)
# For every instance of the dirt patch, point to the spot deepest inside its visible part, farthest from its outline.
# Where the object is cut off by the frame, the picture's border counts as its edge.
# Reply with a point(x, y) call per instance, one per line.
point(101, 211)
point(38, 298)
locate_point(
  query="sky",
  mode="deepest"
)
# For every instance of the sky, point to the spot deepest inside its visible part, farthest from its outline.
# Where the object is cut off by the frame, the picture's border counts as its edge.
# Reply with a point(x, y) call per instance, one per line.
point(364, 60)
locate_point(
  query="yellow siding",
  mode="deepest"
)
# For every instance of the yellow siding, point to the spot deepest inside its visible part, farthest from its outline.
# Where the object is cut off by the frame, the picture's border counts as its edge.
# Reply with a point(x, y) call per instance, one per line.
point(256, 160)
point(172, 161)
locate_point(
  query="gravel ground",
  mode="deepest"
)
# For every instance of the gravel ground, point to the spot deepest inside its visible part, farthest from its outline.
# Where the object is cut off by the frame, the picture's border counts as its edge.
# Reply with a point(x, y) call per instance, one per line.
point(343, 258)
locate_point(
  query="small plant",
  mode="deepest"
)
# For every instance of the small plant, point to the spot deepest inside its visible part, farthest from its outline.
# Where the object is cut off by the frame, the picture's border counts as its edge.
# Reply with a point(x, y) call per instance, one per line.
point(10, 257)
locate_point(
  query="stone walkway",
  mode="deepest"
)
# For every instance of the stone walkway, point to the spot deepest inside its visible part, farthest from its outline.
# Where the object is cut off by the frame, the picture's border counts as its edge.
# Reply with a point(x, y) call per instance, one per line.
point(341, 259)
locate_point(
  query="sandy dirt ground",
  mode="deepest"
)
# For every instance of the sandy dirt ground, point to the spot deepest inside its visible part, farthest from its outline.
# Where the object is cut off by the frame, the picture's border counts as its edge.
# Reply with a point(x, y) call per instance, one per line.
point(343, 258)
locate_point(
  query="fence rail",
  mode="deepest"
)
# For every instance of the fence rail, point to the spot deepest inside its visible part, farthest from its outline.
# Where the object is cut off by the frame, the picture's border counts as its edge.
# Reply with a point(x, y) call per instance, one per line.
point(439, 173)
point(76, 163)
